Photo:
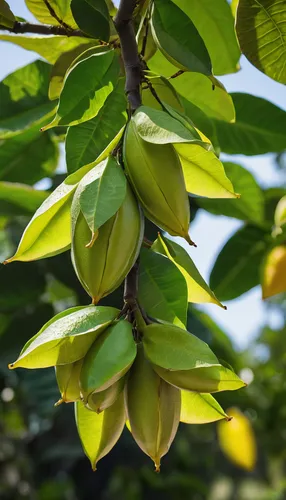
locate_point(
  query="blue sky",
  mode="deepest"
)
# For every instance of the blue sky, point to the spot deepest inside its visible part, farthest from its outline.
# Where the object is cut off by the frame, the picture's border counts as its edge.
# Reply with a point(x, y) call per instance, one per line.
point(245, 315)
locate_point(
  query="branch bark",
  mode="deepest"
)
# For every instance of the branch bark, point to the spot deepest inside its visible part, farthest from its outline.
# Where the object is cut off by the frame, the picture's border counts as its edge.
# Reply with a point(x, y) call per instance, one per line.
point(133, 69)
point(42, 29)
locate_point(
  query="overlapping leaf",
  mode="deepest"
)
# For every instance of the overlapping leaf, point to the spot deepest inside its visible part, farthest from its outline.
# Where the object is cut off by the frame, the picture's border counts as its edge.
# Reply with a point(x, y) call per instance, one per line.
point(199, 408)
point(61, 8)
point(7, 17)
point(92, 17)
point(162, 288)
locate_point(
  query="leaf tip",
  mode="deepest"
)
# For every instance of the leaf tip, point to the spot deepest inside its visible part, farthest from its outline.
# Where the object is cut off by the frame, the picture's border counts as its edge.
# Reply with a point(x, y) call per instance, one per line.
point(188, 240)
point(94, 236)
point(11, 366)
point(59, 402)
point(228, 418)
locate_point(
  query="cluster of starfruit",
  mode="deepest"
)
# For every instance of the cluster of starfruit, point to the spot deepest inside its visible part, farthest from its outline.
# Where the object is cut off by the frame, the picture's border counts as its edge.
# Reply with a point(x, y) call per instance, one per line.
point(123, 367)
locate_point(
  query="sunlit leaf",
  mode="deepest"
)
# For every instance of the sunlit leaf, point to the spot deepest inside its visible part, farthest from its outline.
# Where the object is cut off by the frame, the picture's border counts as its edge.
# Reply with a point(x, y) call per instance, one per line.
point(86, 89)
point(86, 141)
point(66, 338)
point(237, 440)
point(7, 17)
point(203, 172)
point(61, 9)
point(261, 37)
point(173, 348)
point(198, 291)
point(199, 408)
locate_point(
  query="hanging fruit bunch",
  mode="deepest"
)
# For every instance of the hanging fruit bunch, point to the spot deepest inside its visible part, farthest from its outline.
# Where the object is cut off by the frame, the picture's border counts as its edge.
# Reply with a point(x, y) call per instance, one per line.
point(131, 367)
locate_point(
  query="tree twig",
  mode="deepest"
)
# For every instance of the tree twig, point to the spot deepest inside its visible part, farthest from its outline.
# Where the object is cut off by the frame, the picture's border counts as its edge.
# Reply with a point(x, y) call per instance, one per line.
point(43, 29)
point(55, 16)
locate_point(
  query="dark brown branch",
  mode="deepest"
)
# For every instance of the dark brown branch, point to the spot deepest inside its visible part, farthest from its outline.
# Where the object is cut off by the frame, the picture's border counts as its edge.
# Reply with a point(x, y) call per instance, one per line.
point(131, 286)
point(55, 16)
point(133, 69)
point(42, 29)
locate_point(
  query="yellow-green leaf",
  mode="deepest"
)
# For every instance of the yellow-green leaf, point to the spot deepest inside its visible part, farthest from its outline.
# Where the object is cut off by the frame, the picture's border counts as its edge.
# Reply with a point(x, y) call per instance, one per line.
point(99, 432)
point(61, 8)
point(274, 272)
point(237, 440)
point(204, 173)
point(66, 338)
point(199, 408)
point(198, 290)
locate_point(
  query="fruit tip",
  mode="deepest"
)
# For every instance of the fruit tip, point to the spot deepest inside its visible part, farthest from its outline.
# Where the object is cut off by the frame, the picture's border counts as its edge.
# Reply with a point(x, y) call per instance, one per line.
point(228, 418)
point(95, 300)
point(7, 261)
point(94, 236)
point(191, 242)
point(94, 468)
point(59, 402)
point(11, 366)
point(157, 468)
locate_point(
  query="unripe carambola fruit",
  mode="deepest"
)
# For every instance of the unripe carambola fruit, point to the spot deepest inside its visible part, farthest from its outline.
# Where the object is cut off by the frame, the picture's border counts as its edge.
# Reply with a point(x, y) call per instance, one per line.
point(157, 177)
point(153, 409)
point(68, 381)
point(102, 267)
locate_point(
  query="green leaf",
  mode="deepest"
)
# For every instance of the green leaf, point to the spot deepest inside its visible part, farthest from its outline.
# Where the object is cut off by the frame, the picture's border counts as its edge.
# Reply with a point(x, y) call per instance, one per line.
point(162, 288)
point(92, 17)
point(201, 121)
point(178, 38)
point(65, 339)
point(259, 127)
point(51, 47)
point(159, 127)
point(30, 282)
point(203, 380)
point(100, 432)
point(61, 8)
point(93, 79)
point(215, 23)
point(16, 154)
point(199, 408)
point(103, 191)
point(236, 269)
point(64, 62)
point(173, 348)
point(250, 206)
point(197, 88)
point(19, 198)
point(198, 291)
point(7, 17)
point(109, 358)
point(164, 90)
point(261, 37)
point(204, 173)
point(86, 141)
point(24, 98)
point(49, 231)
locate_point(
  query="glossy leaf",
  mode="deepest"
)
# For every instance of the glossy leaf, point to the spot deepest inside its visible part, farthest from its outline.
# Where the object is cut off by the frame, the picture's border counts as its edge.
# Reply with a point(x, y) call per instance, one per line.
point(214, 21)
point(198, 291)
point(92, 17)
point(85, 142)
point(201, 121)
point(66, 338)
point(109, 358)
point(199, 408)
point(162, 288)
point(236, 269)
point(66, 61)
point(178, 38)
point(28, 157)
point(19, 199)
point(61, 8)
point(274, 272)
point(93, 79)
point(196, 88)
point(261, 36)
point(164, 90)
point(259, 127)
point(210, 379)
point(159, 127)
point(49, 232)
point(237, 440)
point(249, 207)
point(24, 98)
point(7, 17)
point(173, 348)
point(103, 191)
point(99, 432)
point(203, 172)
point(50, 48)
